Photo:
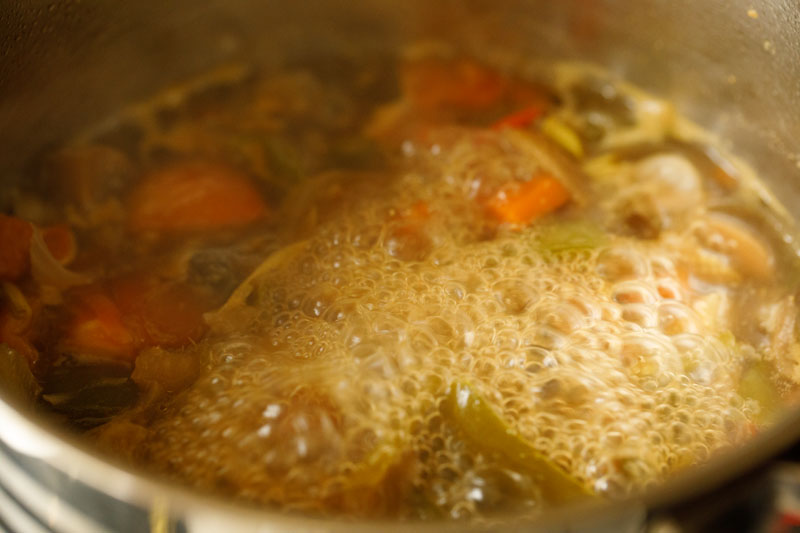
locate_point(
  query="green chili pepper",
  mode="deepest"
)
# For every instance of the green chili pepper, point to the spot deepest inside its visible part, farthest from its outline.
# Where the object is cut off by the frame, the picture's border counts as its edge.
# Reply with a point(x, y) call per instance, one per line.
point(482, 426)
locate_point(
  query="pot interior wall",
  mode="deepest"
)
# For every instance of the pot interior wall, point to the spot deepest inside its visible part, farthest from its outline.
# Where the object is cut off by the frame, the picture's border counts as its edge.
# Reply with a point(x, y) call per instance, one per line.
point(732, 66)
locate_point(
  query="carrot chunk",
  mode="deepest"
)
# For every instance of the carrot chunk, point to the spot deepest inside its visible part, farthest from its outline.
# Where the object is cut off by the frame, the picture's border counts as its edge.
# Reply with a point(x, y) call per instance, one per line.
point(194, 196)
point(134, 312)
point(97, 327)
point(15, 245)
point(523, 203)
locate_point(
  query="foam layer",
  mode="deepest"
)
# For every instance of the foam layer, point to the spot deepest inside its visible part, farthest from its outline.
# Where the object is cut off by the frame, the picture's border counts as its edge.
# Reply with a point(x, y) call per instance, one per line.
point(328, 395)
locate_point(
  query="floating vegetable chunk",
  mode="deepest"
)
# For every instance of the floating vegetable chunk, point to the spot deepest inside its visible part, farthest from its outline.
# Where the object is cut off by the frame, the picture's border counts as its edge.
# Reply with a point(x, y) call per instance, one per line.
point(525, 202)
point(566, 236)
point(194, 197)
point(483, 426)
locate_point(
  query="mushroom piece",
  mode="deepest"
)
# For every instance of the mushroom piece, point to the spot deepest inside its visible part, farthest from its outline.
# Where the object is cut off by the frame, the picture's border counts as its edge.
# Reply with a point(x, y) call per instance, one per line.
point(673, 181)
point(660, 192)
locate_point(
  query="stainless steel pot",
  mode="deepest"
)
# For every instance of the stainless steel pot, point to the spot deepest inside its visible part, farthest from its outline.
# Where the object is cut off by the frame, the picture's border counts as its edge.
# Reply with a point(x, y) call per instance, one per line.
point(732, 66)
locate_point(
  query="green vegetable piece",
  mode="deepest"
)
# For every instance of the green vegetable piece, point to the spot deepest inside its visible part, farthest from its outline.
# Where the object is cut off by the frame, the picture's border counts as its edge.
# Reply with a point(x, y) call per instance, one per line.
point(569, 236)
point(755, 384)
point(473, 415)
point(563, 135)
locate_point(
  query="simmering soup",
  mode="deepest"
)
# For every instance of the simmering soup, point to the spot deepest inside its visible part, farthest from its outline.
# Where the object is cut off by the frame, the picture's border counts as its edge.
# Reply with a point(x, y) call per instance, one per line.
point(435, 287)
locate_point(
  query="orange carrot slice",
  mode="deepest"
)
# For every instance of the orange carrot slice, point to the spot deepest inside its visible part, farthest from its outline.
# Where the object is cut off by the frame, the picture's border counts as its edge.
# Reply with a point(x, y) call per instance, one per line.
point(194, 196)
point(523, 203)
point(97, 328)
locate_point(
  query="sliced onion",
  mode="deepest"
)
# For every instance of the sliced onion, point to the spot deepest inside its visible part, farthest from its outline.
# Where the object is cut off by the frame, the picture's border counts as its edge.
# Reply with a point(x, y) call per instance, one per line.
point(46, 269)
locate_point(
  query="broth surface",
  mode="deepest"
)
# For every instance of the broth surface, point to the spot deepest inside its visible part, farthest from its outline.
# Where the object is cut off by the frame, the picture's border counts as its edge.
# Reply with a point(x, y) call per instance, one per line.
point(426, 288)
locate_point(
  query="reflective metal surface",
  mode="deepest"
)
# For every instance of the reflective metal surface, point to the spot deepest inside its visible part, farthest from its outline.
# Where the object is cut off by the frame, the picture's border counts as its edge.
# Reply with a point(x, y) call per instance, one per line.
point(732, 66)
